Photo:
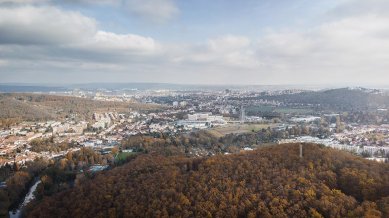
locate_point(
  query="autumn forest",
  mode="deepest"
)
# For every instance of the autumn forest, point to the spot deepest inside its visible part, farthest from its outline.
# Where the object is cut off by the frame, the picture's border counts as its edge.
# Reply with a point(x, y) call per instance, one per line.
point(268, 182)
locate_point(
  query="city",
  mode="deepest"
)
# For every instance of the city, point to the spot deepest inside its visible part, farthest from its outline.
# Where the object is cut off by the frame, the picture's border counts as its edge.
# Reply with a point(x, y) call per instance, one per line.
point(198, 123)
point(181, 112)
point(194, 108)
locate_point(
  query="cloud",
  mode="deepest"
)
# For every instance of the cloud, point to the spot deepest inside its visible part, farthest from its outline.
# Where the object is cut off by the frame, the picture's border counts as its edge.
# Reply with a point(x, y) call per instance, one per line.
point(50, 43)
point(112, 2)
point(22, 1)
point(156, 11)
point(33, 35)
point(153, 10)
point(345, 50)
point(88, 2)
point(44, 25)
point(228, 43)
point(223, 51)
point(108, 40)
point(110, 48)
point(3, 63)
point(352, 8)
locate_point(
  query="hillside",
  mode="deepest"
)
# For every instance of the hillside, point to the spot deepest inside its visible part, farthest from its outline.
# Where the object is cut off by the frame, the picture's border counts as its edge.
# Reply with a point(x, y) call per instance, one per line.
point(43, 107)
point(13, 108)
point(343, 98)
point(268, 182)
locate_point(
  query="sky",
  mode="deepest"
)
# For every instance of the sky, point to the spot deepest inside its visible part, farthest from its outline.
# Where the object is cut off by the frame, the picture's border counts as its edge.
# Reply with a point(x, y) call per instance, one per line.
point(253, 42)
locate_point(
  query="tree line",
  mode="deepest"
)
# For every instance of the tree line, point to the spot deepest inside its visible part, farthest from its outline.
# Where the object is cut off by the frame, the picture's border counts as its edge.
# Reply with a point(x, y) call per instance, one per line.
point(268, 182)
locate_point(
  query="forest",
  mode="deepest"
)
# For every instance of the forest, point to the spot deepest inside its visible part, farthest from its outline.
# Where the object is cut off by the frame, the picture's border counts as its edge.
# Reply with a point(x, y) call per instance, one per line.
point(56, 175)
point(16, 107)
point(268, 182)
point(18, 182)
point(342, 99)
point(163, 143)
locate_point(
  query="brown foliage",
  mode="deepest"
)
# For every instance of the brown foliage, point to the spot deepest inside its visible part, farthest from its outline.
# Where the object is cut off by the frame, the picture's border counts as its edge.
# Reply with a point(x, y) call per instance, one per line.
point(269, 182)
point(21, 106)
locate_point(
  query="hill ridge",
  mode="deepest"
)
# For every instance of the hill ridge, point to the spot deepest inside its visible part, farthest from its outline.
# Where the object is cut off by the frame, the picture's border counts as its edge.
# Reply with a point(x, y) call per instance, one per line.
point(268, 182)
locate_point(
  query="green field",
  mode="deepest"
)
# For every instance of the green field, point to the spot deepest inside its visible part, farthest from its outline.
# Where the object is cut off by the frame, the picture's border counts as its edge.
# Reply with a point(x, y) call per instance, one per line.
point(258, 127)
point(123, 155)
point(238, 128)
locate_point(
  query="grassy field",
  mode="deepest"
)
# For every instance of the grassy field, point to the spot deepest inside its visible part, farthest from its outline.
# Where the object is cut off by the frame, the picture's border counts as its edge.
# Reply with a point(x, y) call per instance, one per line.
point(258, 127)
point(238, 128)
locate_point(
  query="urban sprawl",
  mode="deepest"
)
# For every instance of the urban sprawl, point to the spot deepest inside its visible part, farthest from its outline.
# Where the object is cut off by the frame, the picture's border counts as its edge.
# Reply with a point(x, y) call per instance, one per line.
point(231, 111)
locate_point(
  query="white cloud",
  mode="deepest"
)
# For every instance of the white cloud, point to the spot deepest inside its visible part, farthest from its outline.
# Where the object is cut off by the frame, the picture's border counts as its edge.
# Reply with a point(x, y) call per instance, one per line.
point(352, 48)
point(22, 1)
point(346, 49)
point(352, 8)
point(44, 25)
point(111, 2)
point(224, 51)
point(42, 35)
point(153, 10)
point(156, 11)
point(228, 43)
point(108, 40)
point(86, 2)
point(3, 63)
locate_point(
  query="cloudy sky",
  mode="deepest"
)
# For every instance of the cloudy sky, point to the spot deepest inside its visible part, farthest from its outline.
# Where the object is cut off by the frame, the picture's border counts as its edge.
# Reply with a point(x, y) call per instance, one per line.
point(195, 41)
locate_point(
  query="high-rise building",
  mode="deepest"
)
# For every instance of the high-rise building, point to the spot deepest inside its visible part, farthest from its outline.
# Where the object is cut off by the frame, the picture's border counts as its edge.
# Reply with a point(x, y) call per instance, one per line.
point(242, 114)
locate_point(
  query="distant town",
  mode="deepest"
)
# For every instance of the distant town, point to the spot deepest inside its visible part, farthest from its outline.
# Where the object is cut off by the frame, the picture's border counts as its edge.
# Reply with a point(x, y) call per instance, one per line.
point(188, 111)
point(66, 137)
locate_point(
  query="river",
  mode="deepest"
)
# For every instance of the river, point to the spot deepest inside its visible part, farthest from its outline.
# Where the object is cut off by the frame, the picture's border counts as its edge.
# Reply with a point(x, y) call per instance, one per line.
point(27, 199)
